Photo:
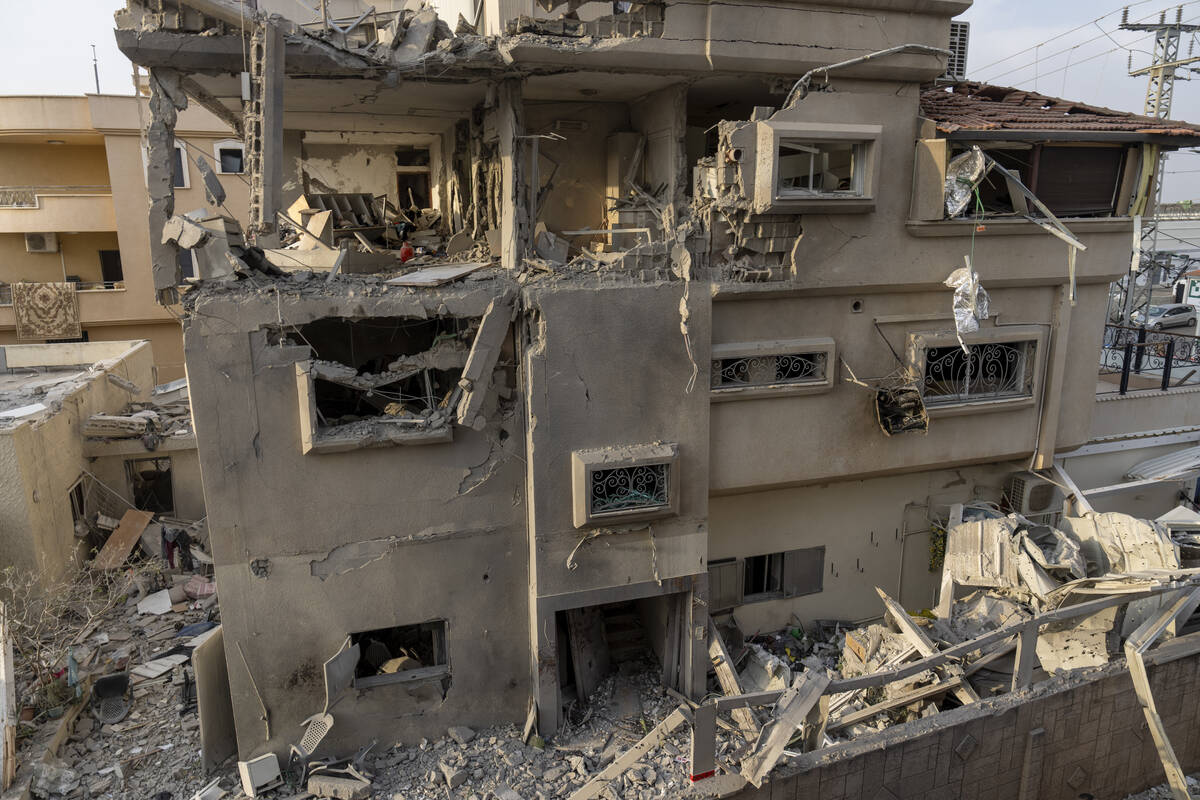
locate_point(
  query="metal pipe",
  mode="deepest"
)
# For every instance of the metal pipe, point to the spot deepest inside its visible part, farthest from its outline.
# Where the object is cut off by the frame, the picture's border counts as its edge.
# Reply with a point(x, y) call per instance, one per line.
point(801, 86)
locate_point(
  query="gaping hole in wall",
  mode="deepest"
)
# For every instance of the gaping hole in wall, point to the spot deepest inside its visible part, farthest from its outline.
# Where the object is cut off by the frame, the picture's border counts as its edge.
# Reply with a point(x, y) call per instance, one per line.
point(150, 484)
point(413, 654)
point(392, 369)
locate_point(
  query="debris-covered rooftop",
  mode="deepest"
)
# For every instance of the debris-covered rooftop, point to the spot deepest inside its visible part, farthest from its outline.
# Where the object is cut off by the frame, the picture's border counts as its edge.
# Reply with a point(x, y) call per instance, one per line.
point(981, 107)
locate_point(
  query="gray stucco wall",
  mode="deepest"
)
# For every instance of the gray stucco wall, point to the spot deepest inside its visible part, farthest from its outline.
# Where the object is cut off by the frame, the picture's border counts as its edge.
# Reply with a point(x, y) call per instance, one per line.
point(353, 541)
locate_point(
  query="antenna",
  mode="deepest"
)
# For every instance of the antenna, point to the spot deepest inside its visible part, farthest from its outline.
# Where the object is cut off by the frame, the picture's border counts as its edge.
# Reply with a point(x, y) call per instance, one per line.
point(96, 69)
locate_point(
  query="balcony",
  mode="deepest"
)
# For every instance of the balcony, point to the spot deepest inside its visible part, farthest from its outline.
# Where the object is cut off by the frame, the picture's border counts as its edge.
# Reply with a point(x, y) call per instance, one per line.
point(25, 209)
point(1133, 359)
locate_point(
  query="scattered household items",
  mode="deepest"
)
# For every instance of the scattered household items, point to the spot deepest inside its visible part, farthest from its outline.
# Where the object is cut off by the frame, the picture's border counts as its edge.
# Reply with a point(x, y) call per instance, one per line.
point(111, 698)
point(46, 311)
point(260, 774)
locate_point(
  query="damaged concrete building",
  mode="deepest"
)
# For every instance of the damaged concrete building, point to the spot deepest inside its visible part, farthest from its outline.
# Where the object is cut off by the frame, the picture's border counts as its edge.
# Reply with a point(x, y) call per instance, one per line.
point(557, 326)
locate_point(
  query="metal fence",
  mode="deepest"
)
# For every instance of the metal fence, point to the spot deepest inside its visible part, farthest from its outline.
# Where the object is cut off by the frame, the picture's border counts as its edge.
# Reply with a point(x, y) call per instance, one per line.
point(1137, 351)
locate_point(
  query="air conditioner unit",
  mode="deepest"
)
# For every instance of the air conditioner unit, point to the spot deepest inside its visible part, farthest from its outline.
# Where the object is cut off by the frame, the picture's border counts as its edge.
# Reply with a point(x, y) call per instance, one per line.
point(1027, 493)
point(41, 243)
point(960, 35)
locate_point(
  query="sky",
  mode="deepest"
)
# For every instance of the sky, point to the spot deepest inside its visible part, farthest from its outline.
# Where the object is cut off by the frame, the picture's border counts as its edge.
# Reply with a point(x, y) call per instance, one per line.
point(1065, 48)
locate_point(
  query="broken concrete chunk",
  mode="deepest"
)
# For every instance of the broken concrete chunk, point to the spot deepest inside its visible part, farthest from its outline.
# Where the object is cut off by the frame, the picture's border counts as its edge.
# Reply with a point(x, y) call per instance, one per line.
point(214, 192)
point(454, 776)
point(416, 39)
point(52, 779)
point(340, 788)
point(460, 734)
point(185, 232)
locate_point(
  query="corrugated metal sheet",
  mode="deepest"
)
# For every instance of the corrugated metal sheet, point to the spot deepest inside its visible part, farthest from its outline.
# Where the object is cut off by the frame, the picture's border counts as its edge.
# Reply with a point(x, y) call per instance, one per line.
point(1179, 464)
point(977, 106)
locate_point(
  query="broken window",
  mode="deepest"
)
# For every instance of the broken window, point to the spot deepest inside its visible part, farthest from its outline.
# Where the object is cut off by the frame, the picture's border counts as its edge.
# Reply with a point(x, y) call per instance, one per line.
point(990, 371)
point(763, 575)
point(1070, 180)
point(791, 573)
point(808, 168)
point(381, 380)
point(632, 482)
point(625, 488)
point(230, 156)
point(150, 484)
point(403, 653)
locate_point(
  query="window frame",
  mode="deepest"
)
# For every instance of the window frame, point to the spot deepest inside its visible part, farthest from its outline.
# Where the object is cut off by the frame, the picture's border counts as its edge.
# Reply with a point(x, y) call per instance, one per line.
point(586, 462)
point(181, 148)
point(775, 347)
point(228, 144)
point(768, 196)
point(921, 342)
point(788, 587)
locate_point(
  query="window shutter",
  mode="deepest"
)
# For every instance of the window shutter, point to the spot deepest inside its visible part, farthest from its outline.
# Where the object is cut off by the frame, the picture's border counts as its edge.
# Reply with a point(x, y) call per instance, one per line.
point(803, 571)
point(724, 585)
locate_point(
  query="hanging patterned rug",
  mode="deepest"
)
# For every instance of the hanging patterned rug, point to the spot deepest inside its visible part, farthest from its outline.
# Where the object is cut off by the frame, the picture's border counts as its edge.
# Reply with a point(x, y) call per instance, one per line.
point(46, 311)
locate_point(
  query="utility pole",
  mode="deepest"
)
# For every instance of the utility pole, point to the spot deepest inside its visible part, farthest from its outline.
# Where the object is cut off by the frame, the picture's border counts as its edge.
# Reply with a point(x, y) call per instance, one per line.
point(96, 69)
point(1160, 88)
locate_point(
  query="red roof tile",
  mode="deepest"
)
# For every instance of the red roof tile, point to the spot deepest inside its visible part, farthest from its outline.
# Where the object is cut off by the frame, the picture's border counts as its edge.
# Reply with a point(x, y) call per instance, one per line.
point(981, 107)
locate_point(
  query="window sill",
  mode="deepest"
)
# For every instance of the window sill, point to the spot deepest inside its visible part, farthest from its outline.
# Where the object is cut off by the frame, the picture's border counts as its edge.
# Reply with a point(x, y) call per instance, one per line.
point(762, 597)
point(411, 676)
point(817, 205)
point(979, 407)
point(382, 434)
point(1014, 226)
point(727, 393)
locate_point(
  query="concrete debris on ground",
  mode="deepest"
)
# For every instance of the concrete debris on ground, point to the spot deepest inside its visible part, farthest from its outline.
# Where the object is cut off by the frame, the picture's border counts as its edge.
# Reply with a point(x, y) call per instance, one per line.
point(155, 747)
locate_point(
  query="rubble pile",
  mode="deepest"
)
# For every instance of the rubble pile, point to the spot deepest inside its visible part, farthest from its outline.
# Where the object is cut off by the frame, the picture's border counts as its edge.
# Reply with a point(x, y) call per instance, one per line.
point(151, 422)
point(145, 739)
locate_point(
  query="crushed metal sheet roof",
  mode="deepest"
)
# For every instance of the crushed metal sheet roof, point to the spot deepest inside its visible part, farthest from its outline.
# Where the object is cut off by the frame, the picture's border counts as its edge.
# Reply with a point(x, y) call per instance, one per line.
point(1177, 465)
point(982, 107)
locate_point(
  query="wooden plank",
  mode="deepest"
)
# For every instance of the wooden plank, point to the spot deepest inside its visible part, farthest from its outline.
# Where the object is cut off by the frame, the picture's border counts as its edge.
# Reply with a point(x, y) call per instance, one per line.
point(791, 710)
point(723, 665)
point(436, 276)
point(904, 699)
point(214, 705)
point(8, 707)
point(963, 691)
point(657, 735)
point(589, 648)
point(121, 541)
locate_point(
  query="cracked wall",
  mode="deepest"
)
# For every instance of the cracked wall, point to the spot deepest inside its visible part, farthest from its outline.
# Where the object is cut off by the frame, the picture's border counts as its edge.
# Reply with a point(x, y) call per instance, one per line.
point(434, 531)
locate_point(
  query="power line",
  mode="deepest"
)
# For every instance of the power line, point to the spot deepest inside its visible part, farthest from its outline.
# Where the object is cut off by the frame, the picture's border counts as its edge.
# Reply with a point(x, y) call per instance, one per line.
point(1061, 35)
point(1038, 60)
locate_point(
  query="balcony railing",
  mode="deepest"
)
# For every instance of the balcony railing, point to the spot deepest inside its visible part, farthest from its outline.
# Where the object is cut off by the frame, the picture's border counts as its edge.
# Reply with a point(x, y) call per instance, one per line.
point(80, 286)
point(27, 196)
point(1149, 359)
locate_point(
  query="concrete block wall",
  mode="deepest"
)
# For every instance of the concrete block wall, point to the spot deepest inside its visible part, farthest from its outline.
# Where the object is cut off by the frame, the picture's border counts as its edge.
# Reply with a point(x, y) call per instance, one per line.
point(1065, 738)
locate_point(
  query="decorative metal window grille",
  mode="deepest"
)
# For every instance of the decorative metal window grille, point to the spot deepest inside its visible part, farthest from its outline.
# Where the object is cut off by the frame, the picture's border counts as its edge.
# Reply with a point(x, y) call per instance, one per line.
point(768, 370)
point(625, 488)
point(993, 371)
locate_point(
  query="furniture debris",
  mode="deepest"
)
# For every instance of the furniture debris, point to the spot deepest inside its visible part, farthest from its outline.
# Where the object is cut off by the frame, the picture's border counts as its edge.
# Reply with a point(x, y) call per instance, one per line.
point(260, 774)
point(120, 543)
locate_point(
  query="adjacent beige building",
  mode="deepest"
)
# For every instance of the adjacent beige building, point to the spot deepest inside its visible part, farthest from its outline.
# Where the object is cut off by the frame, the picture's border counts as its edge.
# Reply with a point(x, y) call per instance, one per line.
point(73, 209)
